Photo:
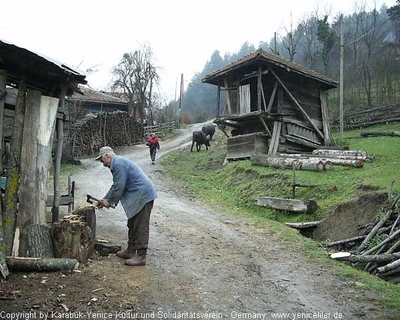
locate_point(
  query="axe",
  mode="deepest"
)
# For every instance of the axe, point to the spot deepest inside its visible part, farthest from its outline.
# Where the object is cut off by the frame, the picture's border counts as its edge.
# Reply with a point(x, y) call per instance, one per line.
point(91, 199)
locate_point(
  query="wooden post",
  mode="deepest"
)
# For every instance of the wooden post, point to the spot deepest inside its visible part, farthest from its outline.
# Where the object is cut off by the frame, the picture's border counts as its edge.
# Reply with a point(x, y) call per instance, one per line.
point(14, 167)
point(218, 98)
point(228, 95)
point(325, 118)
point(3, 82)
point(57, 161)
point(271, 100)
point(38, 130)
point(259, 87)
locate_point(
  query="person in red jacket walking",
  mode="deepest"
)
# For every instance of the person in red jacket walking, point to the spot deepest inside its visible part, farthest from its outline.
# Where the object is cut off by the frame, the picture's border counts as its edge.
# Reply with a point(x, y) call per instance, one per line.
point(154, 145)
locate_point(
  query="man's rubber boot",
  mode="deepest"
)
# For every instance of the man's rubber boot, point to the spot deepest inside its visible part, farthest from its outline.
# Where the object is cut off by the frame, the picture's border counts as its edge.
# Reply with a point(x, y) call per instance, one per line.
point(138, 260)
point(126, 254)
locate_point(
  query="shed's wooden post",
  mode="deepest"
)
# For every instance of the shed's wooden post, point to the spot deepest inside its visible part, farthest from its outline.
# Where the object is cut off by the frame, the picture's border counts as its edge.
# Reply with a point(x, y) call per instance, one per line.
point(57, 161)
point(3, 81)
point(218, 97)
point(325, 118)
point(228, 95)
point(14, 168)
point(38, 133)
point(259, 87)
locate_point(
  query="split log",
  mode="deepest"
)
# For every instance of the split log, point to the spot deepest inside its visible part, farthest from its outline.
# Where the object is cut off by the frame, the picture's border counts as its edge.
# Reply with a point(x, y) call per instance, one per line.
point(41, 264)
point(288, 163)
point(292, 205)
point(377, 133)
point(390, 266)
point(3, 265)
point(367, 258)
point(73, 237)
point(40, 242)
point(105, 250)
point(303, 225)
point(339, 160)
point(344, 241)
point(324, 152)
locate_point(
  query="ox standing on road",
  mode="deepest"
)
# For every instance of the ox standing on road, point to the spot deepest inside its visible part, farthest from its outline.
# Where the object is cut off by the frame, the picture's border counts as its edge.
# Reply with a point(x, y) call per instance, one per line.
point(199, 137)
point(209, 129)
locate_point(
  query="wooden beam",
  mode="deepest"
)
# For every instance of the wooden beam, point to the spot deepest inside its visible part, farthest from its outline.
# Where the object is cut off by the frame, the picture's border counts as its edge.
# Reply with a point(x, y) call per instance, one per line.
point(325, 117)
point(57, 161)
point(253, 75)
point(218, 98)
point(298, 105)
point(14, 168)
point(291, 205)
point(265, 126)
point(228, 96)
point(40, 116)
point(271, 100)
point(259, 87)
point(3, 92)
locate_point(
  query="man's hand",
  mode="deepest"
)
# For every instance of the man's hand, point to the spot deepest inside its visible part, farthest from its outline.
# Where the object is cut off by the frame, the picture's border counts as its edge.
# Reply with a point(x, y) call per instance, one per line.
point(103, 203)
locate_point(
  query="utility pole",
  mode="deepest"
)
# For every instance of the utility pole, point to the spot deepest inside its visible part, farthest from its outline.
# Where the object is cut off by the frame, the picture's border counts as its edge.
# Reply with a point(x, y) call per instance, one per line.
point(341, 79)
point(180, 103)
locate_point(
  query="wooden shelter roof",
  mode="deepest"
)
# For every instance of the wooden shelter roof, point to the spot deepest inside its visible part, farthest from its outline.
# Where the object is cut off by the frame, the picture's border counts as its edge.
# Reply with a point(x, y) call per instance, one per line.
point(42, 73)
point(90, 95)
point(249, 62)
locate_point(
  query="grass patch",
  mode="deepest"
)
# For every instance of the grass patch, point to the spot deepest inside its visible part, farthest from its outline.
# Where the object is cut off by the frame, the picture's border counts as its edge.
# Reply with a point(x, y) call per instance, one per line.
point(233, 187)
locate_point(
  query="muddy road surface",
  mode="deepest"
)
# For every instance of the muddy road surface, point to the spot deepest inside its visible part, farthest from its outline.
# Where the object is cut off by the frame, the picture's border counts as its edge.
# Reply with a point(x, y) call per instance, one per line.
point(202, 263)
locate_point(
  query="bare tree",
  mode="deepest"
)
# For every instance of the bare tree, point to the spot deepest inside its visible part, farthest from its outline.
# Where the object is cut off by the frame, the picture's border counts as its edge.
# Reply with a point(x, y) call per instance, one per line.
point(135, 76)
point(292, 39)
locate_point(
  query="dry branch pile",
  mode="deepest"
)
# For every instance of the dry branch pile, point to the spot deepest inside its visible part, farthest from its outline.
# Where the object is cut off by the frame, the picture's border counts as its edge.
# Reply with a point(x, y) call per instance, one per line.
point(378, 249)
point(114, 129)
point(372, 116)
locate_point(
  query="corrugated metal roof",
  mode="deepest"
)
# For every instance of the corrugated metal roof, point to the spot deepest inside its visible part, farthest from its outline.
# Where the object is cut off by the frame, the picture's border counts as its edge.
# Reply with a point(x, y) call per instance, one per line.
point(270, 58)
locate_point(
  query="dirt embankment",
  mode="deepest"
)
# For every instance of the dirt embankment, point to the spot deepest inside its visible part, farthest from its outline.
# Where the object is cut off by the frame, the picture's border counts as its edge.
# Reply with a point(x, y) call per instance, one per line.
point(202, 262)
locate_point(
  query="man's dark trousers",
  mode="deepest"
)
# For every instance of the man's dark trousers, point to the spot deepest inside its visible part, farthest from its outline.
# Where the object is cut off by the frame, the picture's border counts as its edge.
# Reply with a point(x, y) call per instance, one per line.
point(138, 233)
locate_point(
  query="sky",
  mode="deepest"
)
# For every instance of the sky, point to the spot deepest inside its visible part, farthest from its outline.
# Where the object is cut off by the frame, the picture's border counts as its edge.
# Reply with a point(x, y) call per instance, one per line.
point(93, 35)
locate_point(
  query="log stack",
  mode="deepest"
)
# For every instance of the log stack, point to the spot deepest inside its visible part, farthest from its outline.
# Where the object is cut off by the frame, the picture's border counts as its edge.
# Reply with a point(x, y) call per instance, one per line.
point(74, 236)
point(378, 249)
point(114, 129)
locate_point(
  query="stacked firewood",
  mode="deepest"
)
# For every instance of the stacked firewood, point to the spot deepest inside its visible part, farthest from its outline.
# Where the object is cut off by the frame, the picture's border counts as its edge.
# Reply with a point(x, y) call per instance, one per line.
point(113, 129)
point(377, 249)
point(319, 160)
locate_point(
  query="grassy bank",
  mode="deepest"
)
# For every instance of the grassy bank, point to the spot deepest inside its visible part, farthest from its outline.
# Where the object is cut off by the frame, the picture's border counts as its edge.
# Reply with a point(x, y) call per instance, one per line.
point(233, 187)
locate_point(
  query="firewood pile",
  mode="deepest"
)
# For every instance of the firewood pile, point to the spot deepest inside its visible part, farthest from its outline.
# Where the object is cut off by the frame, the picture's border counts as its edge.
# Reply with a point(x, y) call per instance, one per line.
point(377, 249)
point(372, 116)
point(319, 160)
point(113, 129)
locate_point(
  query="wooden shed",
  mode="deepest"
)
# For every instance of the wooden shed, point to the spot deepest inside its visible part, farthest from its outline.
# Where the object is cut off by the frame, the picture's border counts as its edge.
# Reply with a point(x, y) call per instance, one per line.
point(92, 101)
point(272, 105)
point(32, 95)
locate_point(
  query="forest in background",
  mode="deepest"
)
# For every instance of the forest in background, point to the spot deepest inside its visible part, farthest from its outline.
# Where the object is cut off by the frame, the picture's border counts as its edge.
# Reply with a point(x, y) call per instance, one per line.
point(371, 41)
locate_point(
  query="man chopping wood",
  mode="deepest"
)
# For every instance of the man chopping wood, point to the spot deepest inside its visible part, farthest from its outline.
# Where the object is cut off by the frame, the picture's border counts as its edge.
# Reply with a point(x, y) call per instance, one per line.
point(136, 192)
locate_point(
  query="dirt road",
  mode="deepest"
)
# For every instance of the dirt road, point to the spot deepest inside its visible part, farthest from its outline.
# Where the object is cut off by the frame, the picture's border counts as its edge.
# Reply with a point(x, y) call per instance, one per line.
point(202, 260)
point(202, 263)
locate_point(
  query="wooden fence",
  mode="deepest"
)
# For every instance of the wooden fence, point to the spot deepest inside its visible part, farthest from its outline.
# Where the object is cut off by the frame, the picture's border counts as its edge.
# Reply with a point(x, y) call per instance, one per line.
point(161, 129)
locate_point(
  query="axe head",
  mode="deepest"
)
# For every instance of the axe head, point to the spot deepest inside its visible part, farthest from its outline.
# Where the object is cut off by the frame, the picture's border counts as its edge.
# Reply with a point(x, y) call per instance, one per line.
point(90, 199)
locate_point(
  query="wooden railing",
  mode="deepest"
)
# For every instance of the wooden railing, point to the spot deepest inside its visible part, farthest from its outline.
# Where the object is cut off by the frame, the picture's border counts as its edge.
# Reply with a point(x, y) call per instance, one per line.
point(161, 129)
